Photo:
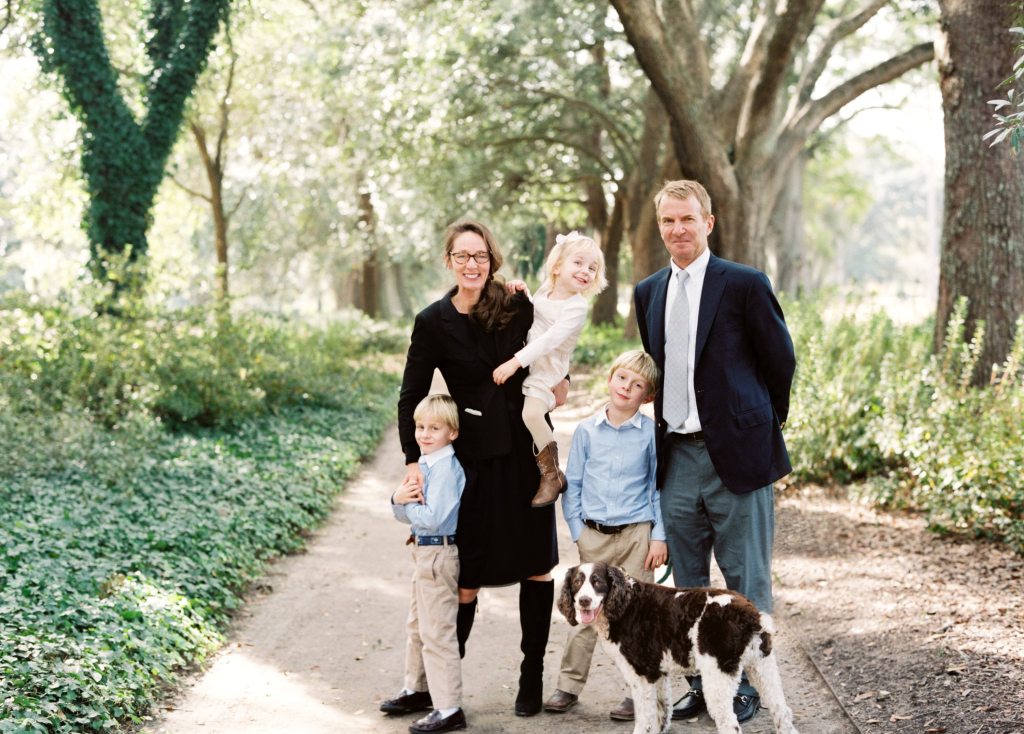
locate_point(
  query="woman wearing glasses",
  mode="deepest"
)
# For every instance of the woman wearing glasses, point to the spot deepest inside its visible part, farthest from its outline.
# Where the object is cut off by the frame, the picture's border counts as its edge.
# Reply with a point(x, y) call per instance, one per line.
point(502, 540)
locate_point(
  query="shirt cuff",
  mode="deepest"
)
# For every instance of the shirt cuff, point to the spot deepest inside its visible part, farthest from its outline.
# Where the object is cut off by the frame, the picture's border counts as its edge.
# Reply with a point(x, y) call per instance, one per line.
point(575, 528)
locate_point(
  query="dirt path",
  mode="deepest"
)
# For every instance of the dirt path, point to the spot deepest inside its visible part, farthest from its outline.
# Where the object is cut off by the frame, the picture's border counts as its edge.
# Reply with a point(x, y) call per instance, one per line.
point(322, 643)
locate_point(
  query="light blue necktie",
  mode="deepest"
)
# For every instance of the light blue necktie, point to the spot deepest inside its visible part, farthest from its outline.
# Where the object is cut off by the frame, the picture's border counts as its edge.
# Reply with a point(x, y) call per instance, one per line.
point(676, 400)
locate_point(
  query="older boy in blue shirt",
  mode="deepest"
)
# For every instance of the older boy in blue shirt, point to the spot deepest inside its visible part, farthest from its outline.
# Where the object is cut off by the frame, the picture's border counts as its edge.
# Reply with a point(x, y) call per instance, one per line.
point(433, 668)
point(611, 504)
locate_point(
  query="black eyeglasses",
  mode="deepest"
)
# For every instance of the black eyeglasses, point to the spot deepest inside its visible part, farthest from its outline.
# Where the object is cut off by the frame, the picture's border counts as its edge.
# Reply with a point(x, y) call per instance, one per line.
point(462, 258)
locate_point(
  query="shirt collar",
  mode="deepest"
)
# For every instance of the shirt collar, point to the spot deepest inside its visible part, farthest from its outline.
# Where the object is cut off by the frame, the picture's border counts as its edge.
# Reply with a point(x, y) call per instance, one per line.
point(697, 268)
point(602, 417)
point(435, 456)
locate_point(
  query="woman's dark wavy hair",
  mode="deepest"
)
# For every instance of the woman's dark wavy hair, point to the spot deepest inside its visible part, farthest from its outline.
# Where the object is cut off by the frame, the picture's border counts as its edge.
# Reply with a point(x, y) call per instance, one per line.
point(493, 311)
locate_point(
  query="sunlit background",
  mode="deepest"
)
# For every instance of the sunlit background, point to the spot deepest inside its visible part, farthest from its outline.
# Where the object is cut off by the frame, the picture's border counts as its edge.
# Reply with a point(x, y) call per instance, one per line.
point(355, 132)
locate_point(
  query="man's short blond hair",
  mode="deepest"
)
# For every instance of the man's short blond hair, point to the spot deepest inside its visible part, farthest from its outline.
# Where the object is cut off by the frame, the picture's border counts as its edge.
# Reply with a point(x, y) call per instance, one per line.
point(682, 189)
point(439, 406)
point(639, 361)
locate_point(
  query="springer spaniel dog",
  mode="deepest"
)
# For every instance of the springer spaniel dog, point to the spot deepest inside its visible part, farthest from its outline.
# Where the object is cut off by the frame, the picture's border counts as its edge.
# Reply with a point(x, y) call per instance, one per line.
point(716, 632)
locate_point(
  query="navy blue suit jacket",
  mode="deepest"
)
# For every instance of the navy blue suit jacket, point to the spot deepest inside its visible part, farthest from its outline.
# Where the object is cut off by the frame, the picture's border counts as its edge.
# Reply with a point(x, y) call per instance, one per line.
point(743, 371)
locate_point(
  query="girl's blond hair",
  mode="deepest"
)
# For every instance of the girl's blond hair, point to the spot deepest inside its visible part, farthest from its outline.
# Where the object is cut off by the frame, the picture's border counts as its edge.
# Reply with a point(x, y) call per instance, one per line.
point(567, 245)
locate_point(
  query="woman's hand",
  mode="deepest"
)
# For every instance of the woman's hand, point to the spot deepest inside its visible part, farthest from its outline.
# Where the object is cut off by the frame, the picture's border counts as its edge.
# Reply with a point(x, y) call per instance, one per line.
point(413, 475)
point(561, 392)
point(656, 555)
point(515, 286)
point(408, 492)
point(411, 488)
point(504, 371)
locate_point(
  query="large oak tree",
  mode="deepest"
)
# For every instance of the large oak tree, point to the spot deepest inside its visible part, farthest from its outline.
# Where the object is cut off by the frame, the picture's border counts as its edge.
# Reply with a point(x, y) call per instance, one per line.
point(983, 229)
point(740, 118)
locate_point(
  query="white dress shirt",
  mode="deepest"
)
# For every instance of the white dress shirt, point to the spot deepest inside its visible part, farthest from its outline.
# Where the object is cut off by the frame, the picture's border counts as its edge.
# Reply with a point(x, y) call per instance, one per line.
point(694, 287)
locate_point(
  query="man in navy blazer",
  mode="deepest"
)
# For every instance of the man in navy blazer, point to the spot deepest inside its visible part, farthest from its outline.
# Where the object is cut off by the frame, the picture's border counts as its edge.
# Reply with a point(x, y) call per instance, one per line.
point(722, 447)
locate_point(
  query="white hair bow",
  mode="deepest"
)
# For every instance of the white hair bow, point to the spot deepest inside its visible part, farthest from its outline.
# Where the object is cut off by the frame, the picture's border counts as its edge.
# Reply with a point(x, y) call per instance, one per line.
point(563, 238)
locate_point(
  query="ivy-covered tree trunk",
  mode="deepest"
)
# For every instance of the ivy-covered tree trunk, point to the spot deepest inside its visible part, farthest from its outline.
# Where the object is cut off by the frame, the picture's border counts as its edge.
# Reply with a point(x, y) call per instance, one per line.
point(123, 158)
point(983, 229)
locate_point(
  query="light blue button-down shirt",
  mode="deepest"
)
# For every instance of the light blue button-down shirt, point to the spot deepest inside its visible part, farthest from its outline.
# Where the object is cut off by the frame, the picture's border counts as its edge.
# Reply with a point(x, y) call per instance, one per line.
point(443, 482)
point(611, 475)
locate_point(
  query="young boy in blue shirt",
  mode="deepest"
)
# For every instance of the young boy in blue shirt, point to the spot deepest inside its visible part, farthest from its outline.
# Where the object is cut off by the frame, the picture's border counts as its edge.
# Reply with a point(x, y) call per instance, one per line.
point(611, 504)
point(433, 668)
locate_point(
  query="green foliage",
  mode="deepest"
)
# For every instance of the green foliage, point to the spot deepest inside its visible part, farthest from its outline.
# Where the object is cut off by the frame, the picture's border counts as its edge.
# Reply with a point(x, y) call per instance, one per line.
point(123, 550)
point(835, 396)
point(872, 402)
point(122, 159)
point(188, 368)
point(1009, 113)
point(598, 346)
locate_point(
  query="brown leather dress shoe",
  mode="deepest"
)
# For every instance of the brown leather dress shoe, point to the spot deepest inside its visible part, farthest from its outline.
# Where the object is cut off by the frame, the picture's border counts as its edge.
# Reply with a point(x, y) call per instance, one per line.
point(622, 712)
point(560, 702)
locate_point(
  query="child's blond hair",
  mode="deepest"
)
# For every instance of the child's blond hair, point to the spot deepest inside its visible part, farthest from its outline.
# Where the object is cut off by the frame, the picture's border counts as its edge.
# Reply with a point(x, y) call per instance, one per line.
point(567, 245)
point(639, 361)
point(439, 406)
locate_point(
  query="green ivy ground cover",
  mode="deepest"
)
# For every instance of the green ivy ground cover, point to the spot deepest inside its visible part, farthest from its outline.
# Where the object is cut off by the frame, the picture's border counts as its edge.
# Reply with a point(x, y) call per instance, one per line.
point(122, 552)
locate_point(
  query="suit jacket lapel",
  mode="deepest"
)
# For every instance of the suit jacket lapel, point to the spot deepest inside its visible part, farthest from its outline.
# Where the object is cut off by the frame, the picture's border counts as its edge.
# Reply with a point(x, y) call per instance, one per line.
point(710, 297)
point(656, 315)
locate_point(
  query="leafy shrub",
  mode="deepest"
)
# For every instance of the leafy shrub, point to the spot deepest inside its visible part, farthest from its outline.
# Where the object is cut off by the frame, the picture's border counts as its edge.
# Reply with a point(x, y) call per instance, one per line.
point(598, 346)
point(124, 546)
point(959, 453)
point(835, 399)
point(872, 402)
point(189, 368)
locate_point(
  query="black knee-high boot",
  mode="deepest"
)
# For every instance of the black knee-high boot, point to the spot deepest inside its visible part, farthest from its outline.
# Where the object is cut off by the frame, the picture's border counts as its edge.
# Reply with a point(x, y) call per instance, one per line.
point(535, 601)
point(464, 624)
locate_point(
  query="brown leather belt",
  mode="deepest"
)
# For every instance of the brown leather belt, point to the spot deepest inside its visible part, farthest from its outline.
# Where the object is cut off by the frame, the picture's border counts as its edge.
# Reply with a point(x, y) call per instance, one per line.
point(606, 529)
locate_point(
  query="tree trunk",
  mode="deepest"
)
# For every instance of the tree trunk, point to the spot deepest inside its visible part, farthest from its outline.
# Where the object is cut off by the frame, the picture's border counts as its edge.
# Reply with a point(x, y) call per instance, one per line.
point(983, 228)
point(787, 243)
point(123, 158)
point(606, 306)
point(370, 280)
point(402, 290)
point(215, 177)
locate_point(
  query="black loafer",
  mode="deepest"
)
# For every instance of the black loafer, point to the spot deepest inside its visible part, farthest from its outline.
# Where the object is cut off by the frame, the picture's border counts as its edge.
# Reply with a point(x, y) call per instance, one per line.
point(690, 705)
point(409, 703)
point(745, 707)
point(434, 722)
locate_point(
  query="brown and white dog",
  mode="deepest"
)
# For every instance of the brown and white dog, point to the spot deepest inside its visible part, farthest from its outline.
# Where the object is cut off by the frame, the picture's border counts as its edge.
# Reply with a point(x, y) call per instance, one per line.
point(713, 632)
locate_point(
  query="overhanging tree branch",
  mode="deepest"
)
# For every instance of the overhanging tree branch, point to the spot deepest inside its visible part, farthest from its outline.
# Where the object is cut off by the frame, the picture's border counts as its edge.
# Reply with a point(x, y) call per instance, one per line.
point(190, 191)
point(841, 29)
point(820, 109)
point(791, 30)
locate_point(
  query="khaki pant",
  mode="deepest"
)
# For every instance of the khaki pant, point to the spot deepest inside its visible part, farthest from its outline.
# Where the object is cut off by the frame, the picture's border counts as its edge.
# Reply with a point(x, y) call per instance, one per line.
point(627, 549)
point(431, 650)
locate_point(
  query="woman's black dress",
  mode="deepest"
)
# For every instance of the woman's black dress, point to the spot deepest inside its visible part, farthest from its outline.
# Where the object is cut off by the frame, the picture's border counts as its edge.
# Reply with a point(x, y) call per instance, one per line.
point(501, 538)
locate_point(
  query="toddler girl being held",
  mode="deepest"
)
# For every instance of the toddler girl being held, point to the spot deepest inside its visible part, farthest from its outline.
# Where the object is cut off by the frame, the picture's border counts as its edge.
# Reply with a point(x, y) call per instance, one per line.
point(573, 271)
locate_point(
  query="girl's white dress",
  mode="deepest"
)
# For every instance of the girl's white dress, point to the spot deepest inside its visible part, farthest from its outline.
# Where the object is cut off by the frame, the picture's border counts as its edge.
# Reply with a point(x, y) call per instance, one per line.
point(556, 328)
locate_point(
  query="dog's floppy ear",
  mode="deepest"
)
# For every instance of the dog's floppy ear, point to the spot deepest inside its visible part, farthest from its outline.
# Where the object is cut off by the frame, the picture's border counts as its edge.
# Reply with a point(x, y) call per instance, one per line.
point(618, 592)
point(566, 604)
